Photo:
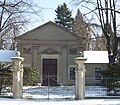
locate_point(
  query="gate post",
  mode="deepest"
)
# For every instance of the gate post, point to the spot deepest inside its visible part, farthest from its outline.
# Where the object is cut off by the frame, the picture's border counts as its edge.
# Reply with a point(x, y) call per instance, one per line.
point(80, 78)
point(17, 76)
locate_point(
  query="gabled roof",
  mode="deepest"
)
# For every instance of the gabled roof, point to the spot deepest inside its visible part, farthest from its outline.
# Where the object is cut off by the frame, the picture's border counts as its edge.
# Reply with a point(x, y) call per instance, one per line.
point(41, 28)
point(96, 56)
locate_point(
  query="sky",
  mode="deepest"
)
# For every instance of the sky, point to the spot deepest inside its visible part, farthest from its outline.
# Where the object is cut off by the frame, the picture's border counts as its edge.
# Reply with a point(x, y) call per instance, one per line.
point(48, 11)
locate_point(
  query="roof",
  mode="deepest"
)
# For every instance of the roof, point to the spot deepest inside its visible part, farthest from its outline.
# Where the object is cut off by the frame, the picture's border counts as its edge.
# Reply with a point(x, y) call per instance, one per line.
point(44, 25)
point(96, 56)
point(5, 55)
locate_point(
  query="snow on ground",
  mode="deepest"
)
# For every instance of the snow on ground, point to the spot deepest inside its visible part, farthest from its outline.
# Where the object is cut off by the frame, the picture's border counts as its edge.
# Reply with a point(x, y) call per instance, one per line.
point(56, 98)
point(61, 92)
point(6, 101)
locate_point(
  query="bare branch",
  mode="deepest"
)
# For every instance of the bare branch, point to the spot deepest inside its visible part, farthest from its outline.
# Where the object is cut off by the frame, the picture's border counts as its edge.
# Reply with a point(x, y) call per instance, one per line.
point(109, 9)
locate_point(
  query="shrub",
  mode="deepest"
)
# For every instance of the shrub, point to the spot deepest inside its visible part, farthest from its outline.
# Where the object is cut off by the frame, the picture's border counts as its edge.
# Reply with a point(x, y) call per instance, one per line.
point(5, 76)
point(112, 79)
point(30, 76)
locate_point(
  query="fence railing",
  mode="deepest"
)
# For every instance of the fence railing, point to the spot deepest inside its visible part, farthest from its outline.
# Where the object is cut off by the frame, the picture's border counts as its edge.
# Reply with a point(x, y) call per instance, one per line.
point(102, 87)
point(48, 89)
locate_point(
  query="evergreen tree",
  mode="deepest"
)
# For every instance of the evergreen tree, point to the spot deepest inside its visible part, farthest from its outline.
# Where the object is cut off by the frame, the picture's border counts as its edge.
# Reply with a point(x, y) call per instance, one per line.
point(111, 78)
point(64, 17)
point(80, 28)
point(30, 76)
point(79, 25)
point(5, 76)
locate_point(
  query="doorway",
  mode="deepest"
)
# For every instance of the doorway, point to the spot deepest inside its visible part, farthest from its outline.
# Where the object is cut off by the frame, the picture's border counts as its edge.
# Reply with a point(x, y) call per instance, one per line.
point(49, 72)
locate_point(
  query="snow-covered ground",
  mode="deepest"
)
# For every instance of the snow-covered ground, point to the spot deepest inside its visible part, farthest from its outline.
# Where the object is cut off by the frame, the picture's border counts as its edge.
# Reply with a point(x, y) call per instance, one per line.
point(32, 96)
point(5, 101)
point(60, 92)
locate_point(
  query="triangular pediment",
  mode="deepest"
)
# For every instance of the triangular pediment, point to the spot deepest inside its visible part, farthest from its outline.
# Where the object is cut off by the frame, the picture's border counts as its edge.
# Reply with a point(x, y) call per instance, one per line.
point(50, 51)
point(49, 31)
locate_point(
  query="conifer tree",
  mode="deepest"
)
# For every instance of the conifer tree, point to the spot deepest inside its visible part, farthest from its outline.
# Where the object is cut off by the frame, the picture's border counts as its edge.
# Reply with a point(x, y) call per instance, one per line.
point(80, 28)
point(64, 16)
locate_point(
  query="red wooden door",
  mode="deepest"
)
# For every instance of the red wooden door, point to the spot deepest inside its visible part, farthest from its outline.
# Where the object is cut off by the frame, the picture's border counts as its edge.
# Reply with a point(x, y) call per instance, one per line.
point(49, 72)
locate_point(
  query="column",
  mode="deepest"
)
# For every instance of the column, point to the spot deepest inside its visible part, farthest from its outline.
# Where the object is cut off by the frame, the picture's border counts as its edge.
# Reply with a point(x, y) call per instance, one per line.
point(17, 76)
point(80, 78)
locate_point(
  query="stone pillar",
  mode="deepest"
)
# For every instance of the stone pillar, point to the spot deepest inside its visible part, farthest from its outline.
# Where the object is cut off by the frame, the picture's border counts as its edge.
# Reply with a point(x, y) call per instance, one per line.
point(80, 78)
point(35, 56)
point(64, 63)
point(17, 76)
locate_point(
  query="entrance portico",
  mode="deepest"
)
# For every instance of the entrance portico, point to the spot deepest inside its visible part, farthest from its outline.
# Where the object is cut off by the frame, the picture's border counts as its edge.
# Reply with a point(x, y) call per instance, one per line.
point(50, 69)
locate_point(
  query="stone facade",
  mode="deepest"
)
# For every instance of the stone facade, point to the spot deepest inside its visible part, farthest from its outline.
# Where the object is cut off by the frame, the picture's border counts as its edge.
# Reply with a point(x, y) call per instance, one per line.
point(53, 50)
point(96, 62)
point(48, 42)
point(91, 74)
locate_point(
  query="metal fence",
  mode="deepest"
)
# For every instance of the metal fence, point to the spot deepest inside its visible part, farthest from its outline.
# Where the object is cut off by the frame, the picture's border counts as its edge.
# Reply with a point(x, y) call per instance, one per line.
point(102, 87)
point(49, 89)
point(93, 88)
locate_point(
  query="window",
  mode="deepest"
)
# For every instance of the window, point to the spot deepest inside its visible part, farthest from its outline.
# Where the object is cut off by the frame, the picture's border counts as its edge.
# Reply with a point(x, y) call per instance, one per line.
point(98, 73)
point(72, 72)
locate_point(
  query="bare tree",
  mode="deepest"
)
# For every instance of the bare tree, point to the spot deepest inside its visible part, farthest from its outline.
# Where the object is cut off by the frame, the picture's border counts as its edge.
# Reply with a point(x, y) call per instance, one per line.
point(14, 16)
point(107, 12)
